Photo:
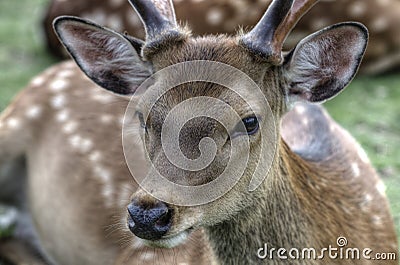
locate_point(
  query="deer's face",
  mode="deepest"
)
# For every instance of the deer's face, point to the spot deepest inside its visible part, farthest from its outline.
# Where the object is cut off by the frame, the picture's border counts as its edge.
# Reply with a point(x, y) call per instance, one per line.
point(214, 129)
point(212, 107)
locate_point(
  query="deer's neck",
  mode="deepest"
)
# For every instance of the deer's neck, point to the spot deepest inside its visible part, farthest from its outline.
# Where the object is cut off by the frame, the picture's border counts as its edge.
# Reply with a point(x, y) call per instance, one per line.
point(275, 219)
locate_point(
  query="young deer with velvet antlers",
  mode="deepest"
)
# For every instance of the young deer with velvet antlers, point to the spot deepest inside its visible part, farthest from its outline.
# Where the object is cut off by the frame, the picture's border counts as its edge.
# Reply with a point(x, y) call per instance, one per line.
point(320, 185)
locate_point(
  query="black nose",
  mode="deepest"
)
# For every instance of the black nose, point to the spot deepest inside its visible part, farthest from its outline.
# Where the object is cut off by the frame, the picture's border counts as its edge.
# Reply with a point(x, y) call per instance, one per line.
point(149, 220)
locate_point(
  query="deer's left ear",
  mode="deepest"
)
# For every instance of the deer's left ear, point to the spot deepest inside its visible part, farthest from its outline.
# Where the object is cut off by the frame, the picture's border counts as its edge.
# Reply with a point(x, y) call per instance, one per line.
point(324, 63)
point(110, 59)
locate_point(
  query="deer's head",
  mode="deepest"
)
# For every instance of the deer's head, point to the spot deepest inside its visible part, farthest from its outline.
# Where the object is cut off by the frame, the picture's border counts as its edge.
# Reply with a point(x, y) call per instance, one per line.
point(211, 118)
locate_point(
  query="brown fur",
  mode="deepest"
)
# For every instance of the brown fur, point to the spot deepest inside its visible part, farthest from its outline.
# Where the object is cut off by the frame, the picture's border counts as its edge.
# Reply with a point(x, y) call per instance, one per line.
point(75, 223)
point(305, 200)
point(74, 190)
point(302, 203)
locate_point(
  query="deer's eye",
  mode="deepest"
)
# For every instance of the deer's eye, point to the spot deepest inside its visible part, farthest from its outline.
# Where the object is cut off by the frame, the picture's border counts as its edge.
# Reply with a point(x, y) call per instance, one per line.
point(251, 125)
point(248, 125)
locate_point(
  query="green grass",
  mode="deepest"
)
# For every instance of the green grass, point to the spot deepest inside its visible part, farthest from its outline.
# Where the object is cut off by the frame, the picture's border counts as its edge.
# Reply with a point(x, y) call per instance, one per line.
point(369, 108)
point(22, 51)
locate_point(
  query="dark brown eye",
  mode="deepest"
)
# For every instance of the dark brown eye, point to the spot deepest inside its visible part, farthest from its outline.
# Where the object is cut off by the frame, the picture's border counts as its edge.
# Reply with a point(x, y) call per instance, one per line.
point(248, 125)
point(251, 125)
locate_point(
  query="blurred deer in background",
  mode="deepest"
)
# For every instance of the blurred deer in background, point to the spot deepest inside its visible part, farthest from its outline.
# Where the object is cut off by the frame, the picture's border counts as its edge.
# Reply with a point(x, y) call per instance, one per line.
point(382, 18)
point(84, 202)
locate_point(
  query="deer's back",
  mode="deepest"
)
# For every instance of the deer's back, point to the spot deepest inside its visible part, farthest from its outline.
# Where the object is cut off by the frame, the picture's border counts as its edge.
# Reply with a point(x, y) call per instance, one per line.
point(347, 190)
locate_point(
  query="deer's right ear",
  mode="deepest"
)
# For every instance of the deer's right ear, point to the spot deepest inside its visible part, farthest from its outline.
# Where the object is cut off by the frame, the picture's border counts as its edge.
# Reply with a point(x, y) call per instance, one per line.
point(108, 58)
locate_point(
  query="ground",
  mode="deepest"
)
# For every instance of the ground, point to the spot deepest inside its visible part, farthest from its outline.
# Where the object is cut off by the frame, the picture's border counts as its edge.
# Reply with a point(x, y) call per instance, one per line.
point(369, 108)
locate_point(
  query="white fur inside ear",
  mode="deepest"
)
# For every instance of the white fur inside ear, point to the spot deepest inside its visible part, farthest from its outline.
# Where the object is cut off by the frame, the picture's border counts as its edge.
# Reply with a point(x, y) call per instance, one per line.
point(123, 58)
point(323, 64)
point(105, 56)
point(307, 70)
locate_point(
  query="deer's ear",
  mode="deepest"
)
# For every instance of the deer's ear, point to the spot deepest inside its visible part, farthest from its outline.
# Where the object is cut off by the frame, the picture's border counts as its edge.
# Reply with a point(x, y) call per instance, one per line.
point(324, 63)
point(110, 59)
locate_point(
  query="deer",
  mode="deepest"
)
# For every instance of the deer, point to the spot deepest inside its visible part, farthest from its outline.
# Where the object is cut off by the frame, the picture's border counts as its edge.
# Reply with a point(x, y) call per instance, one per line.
point(223, 16)
point(57, 223)
point(87, 208)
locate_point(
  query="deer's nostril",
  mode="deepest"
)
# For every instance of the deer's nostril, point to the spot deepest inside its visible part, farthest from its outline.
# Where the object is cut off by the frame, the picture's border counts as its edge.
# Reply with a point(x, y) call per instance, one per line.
point(149, 221)
point(164, 219)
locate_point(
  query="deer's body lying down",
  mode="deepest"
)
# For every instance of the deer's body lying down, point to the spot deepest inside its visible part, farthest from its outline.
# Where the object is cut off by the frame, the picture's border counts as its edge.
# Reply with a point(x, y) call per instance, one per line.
point(79, 214)
point(320, 185)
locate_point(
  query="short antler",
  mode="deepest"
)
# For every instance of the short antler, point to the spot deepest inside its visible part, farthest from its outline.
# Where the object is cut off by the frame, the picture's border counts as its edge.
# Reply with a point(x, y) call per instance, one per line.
point(159, 20)
point(267, 37)
point(157, 16)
